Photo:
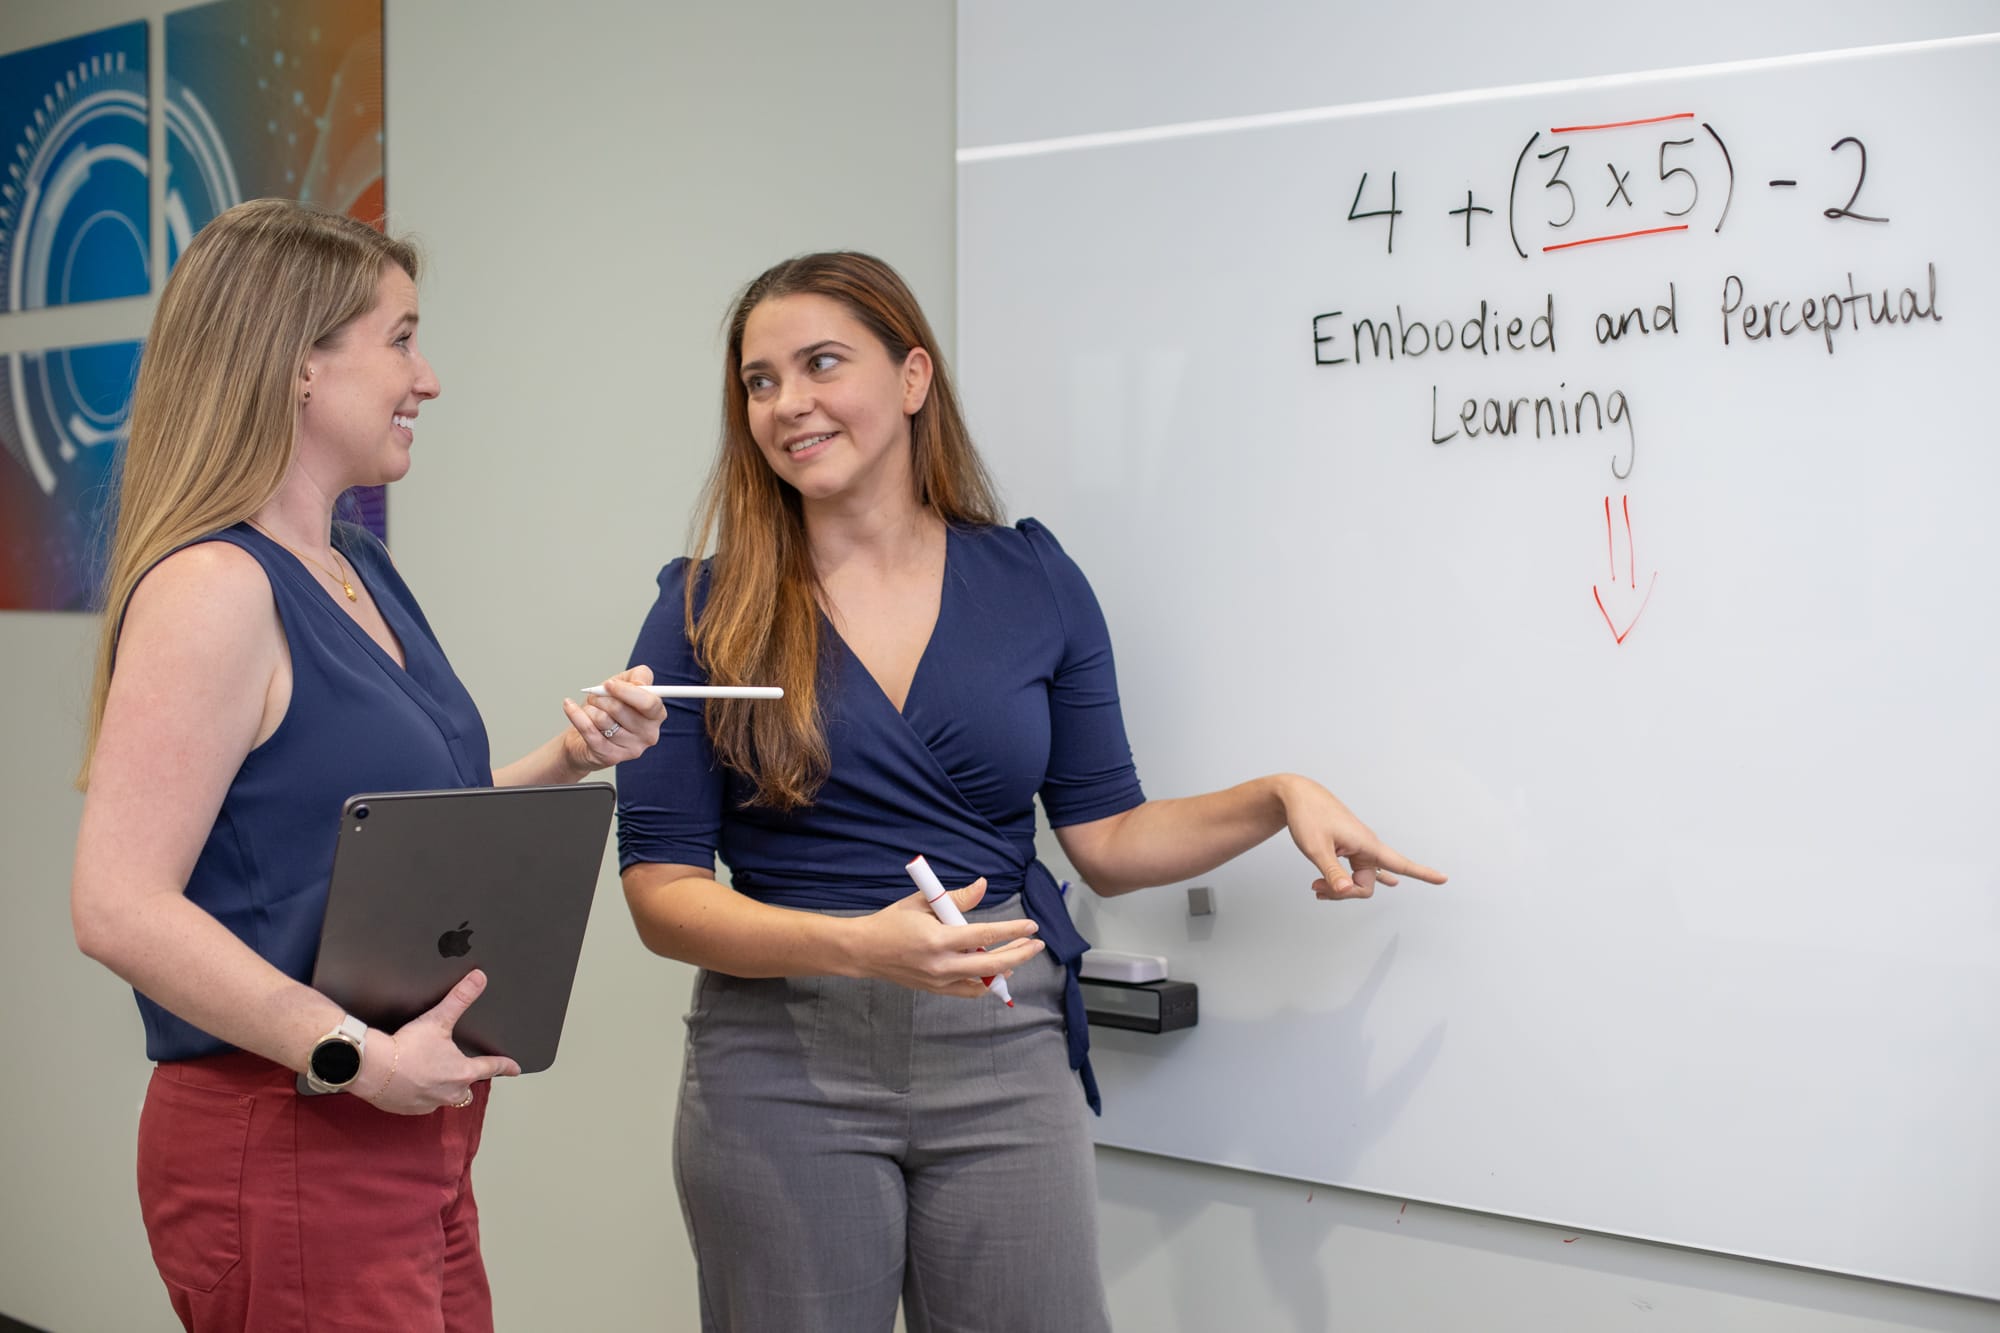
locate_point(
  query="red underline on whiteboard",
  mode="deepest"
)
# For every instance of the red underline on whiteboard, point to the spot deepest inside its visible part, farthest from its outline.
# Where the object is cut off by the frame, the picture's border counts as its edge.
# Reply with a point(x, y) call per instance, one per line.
point(1621, 236)
point(1621, 124)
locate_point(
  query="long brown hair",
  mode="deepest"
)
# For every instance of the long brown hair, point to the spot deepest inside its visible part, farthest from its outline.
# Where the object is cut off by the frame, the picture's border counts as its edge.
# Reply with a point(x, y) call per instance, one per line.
point(215, 410)
point(761, 623)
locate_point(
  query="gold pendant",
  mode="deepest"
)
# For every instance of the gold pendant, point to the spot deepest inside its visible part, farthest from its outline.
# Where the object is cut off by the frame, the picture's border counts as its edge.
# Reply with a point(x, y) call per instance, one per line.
point(348, 588)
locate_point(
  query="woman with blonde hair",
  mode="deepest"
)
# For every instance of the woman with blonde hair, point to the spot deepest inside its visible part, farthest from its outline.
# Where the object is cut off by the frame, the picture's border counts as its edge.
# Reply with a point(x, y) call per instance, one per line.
point(260, 663)
point(860, 1120)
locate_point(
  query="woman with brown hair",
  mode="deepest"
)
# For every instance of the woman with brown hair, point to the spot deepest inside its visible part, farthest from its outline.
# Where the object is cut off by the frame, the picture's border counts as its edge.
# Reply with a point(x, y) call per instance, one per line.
point(851, 1132)
point(260, 663)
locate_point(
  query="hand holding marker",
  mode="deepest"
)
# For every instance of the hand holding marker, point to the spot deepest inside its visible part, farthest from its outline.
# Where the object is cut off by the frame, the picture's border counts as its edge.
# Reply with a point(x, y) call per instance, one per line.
point(947, 912)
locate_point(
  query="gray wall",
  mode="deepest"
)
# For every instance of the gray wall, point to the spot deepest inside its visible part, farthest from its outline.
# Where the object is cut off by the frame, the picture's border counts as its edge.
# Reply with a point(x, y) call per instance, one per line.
point(591, 181)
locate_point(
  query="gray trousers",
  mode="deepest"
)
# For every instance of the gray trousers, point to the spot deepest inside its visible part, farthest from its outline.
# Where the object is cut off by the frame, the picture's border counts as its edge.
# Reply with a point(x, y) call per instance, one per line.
point(842, 1144)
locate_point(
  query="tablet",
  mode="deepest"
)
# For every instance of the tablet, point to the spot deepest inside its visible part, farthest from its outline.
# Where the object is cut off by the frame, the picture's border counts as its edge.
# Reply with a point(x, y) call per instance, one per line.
point(428, 885)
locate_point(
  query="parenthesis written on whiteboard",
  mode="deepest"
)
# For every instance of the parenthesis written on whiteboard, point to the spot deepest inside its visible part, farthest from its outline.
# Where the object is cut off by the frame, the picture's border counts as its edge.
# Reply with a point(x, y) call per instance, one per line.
point(1728, 163)
point(1513, 190)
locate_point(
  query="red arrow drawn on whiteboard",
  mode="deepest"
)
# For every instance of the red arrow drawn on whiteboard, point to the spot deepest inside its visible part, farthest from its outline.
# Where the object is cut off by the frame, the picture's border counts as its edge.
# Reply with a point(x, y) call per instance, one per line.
point(1621, 593)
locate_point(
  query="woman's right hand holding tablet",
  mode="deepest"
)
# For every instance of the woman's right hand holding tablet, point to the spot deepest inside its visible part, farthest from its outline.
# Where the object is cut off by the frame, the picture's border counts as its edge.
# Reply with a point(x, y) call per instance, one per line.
point(423, 1069)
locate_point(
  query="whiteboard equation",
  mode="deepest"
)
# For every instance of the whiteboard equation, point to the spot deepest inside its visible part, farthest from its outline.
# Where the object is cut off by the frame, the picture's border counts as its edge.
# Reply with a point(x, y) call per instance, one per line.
point(1661, 201)
point(1651, 180)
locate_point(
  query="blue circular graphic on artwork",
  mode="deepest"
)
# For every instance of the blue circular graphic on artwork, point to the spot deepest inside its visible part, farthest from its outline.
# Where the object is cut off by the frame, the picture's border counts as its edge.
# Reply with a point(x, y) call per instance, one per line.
point(73, 227)
point(74, 206)
point(201, 178)
point(63, 415)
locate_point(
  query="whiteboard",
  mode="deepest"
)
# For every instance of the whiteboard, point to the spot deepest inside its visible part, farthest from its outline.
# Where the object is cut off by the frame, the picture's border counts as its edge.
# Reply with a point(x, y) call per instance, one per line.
point(1673, 647)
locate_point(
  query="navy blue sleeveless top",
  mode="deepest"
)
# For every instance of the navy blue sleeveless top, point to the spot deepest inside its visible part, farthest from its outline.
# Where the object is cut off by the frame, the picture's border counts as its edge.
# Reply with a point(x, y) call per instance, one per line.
point(357, 722)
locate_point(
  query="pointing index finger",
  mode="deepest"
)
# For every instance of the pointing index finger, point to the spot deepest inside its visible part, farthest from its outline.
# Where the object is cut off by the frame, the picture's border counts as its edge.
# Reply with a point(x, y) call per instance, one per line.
point(1403, 865)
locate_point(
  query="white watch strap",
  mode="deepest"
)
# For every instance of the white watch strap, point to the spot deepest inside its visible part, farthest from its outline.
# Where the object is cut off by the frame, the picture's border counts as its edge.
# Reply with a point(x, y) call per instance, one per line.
point(350, 1030)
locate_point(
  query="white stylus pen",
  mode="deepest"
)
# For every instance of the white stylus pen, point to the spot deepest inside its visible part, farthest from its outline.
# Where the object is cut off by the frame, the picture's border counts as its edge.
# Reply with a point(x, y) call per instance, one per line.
point(703, 691)
point(947, 912)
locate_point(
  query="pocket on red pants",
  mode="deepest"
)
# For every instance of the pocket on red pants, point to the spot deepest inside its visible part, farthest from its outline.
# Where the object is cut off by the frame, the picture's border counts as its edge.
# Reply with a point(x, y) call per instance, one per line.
point(192, 1142)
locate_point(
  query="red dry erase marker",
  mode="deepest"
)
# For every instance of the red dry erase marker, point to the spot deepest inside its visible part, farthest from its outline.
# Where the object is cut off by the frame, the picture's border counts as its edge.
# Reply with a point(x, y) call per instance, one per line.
point(947, 912)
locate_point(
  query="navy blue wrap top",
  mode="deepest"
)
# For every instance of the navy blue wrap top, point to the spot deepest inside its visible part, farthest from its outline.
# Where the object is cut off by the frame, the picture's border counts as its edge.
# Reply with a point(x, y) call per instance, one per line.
point(1015, 697)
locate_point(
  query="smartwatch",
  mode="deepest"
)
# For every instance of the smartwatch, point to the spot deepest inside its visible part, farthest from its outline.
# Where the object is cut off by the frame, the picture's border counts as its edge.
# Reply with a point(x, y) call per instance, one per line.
point(336, 1058)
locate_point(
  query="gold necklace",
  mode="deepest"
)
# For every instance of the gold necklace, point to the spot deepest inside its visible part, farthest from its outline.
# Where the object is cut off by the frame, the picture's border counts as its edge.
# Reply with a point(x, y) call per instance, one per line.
point(333, 573)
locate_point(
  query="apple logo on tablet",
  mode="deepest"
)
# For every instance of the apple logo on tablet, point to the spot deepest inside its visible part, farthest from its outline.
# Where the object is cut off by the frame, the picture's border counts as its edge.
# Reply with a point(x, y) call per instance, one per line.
point(455, 943)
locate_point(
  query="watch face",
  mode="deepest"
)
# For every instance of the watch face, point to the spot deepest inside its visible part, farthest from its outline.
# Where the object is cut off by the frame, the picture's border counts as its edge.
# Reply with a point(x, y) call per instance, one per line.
point(335, 1062)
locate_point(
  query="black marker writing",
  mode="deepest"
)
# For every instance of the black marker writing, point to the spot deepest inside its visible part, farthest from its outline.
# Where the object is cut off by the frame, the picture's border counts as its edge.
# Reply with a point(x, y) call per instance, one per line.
point(1550, 414)
point(1783, 318)
point(1381, 339)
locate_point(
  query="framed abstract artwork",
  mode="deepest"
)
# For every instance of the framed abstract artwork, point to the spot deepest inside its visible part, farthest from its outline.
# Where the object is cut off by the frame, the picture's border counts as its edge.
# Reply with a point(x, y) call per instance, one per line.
point(62, 418)
point(276, 101)
point(75, 223)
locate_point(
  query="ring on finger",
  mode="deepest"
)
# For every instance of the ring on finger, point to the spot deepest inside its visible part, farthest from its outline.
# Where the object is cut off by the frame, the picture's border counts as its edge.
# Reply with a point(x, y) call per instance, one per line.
point(464, 1101)
point(612, 730)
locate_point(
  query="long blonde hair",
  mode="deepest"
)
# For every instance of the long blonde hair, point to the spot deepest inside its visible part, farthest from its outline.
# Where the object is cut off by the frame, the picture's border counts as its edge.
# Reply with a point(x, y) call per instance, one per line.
point(760, 624)
point(215, 411)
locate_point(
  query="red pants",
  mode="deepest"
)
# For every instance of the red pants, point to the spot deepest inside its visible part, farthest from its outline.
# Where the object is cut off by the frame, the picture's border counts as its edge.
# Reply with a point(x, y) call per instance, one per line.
point(275, 1212)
